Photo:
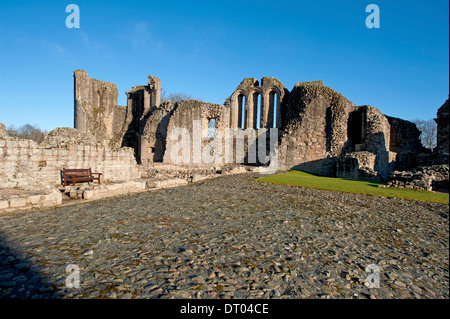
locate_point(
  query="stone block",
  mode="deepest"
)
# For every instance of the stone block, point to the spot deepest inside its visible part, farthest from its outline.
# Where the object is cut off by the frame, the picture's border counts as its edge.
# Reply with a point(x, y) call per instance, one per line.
point(88, 194)
point(11, 157)
point(141, 185)
point(4, 204)
point(73, 194)
point(47, 152)
point(36, 199)
point(17, 202)
point(113, 188)
point(49, 197)
point(24, 144)
point(237, 170)
point(11, 144)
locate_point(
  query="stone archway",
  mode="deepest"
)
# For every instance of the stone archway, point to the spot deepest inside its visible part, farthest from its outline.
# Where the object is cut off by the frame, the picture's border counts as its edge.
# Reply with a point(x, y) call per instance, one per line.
point(238, 109)
point(254, 108)
point(271, 115)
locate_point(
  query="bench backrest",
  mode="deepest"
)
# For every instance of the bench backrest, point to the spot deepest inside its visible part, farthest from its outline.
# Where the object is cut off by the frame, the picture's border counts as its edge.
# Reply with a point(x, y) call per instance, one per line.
point(77, 172)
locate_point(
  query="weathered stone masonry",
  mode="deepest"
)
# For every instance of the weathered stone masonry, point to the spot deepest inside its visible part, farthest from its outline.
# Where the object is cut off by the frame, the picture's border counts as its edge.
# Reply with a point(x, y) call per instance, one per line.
point(320, 130)
point(28, 165)
point(443, 121)
point(96, 109)
point(317, 130)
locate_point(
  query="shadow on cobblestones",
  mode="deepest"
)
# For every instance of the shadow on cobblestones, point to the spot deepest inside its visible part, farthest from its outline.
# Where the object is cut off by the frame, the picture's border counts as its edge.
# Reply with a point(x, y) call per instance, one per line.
point(19, 278)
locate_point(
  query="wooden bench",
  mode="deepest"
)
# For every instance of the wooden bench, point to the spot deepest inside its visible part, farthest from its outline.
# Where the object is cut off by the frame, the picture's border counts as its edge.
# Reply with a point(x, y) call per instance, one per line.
point(79, 175)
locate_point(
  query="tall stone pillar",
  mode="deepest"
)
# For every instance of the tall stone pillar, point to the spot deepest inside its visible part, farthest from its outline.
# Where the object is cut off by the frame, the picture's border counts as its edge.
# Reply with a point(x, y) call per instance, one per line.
point(154, 85)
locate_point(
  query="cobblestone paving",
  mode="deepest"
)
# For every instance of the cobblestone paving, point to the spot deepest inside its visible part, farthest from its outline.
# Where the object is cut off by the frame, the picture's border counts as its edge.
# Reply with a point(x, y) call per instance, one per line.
point(231, 237)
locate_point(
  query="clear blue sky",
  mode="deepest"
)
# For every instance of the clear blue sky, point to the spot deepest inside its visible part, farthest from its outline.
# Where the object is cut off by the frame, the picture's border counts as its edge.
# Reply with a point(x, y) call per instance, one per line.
point(206, 48)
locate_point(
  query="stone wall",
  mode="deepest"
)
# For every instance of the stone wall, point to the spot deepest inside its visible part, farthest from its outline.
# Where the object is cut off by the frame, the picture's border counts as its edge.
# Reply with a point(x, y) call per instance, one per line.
point(47, 197)
point(428, 178)
point(141, 100)
point(191, 119)
point(317, 125)
point(154, 133)
point(356, 165)
point(315, 128)
point(442, 121)
point(61, 137)
point(3, 133)
point(25, 164)
point(405, 141)
point(96, 109)
point(373, 130)
point(252, 99)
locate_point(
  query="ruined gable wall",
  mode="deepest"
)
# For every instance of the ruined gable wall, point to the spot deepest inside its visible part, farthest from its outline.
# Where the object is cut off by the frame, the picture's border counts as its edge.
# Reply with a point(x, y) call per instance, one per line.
point(315, 128)
point(405, 141)
point(25, 164)
point(405, 136)
point(96, 109)
point(373, 131)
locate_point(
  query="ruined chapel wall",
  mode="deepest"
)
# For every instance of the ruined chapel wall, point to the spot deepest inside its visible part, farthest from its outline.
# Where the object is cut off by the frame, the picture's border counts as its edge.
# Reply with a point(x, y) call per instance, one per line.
point(252, 98)
point(184, 115)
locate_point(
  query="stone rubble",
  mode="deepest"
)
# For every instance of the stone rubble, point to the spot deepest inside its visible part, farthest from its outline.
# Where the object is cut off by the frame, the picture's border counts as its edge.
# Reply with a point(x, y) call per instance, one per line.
point(427, 178)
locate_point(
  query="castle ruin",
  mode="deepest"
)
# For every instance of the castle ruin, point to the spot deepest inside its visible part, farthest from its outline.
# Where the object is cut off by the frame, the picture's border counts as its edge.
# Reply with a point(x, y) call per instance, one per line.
point(311, 127)
point(319, 130)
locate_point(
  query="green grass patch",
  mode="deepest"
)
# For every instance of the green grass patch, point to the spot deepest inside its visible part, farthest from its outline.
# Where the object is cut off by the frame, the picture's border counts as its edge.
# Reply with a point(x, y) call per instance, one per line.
point(303, 179)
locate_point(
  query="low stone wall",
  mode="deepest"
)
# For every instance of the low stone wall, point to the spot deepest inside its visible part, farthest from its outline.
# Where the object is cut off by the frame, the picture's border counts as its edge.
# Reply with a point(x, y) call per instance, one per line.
point(356, 165)
point(25, 164)
point(51, 197)
point(104, 191)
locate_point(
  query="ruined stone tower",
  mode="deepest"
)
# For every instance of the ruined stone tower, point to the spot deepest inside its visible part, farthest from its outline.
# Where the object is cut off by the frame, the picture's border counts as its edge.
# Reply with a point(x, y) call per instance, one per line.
point(96, 110)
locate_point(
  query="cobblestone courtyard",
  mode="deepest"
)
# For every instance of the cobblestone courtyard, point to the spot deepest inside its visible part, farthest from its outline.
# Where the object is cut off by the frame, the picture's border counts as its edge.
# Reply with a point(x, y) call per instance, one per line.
point(230, 237)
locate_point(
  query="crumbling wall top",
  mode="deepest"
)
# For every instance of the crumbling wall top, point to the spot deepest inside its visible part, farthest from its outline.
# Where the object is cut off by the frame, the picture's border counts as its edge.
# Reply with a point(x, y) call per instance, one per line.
point(318, 83)
point(63, 136)
point(3, 133)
